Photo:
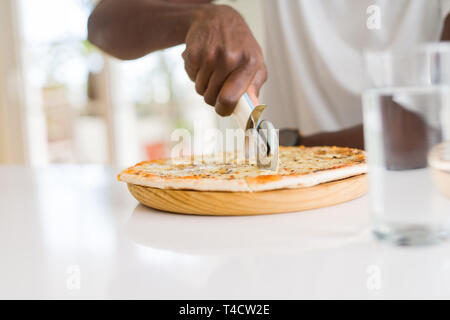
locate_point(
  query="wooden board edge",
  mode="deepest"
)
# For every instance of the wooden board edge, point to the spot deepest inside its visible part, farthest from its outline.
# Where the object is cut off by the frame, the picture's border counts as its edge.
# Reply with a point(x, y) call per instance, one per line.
point(221, 203)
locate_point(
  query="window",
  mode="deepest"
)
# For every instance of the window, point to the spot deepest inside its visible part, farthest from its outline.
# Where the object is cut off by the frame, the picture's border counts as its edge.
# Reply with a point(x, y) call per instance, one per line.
point(85, 122)
point(82, 106)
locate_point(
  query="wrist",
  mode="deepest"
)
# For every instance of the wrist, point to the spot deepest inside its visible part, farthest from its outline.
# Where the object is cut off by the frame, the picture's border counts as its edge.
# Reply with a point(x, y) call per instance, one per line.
point(181, 17)
point(197, 13)
point(202, 12)
point(290, 137)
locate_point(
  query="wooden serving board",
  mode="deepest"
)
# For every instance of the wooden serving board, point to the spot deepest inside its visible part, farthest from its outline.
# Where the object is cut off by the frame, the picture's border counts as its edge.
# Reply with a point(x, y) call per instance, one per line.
point(250, 203)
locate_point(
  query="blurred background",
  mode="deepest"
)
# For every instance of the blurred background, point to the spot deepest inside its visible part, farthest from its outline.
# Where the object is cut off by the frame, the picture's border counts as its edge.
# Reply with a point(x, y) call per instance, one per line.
point(64, 101)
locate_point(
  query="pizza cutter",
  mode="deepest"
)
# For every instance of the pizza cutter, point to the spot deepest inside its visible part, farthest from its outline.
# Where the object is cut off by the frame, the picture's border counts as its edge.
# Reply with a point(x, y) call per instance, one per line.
point(263, 134)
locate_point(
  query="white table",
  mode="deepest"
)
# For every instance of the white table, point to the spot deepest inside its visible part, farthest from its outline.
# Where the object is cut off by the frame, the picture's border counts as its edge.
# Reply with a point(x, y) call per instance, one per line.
point(75, 232)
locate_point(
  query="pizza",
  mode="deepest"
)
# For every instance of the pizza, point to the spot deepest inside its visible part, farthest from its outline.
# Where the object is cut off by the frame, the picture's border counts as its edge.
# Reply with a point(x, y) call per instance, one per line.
point(299, 167)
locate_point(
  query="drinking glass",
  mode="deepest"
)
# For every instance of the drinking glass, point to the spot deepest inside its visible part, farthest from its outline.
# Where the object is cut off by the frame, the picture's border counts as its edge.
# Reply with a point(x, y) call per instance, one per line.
point(406, 109)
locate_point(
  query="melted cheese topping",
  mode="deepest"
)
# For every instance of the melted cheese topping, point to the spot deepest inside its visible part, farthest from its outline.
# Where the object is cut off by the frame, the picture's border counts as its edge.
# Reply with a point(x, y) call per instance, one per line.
point(293, 161)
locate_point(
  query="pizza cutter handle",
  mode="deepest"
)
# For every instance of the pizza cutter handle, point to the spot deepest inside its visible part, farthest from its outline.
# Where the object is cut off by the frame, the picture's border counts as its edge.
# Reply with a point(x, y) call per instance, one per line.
point(243, 111)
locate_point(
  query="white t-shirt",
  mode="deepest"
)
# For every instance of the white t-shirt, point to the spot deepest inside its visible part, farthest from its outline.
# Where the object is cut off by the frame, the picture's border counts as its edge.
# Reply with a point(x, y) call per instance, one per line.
point(314, 54)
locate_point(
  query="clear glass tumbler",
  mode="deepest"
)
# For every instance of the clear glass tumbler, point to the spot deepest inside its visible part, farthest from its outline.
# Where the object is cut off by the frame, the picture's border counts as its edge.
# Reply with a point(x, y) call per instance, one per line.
point(406, 113)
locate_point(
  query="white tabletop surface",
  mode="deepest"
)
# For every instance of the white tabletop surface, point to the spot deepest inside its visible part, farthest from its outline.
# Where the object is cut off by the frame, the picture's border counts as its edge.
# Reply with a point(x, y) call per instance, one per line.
point(75, 232)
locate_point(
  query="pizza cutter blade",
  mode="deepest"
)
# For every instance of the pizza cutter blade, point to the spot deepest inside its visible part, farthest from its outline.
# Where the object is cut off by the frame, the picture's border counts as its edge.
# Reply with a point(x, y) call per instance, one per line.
point(264, 136)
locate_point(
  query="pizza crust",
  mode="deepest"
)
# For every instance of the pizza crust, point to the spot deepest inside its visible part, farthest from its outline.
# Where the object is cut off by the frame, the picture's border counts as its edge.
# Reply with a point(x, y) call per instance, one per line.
point(190, 184)
point(257, 181)
point(248, 184)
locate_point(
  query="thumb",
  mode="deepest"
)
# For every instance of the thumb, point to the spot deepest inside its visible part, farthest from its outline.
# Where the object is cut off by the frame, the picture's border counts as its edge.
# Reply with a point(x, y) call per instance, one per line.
point(252, 95)
point(255, 86)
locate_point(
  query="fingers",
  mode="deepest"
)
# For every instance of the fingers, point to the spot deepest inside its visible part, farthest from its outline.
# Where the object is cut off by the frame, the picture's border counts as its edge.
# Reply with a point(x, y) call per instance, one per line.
point(223, 77)
point(200, 70)
point(254, 88)
point(202, 79)
point(215, 84)
point(240, 81)
point(191, 67)
point(233, 88)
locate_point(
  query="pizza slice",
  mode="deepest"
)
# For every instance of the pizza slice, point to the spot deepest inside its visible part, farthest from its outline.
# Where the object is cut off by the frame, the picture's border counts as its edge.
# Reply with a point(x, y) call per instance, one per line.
point(299, 167)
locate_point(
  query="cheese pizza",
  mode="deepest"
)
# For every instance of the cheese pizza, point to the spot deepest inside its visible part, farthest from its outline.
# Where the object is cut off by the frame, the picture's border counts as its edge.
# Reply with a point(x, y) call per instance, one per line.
point(299, 167)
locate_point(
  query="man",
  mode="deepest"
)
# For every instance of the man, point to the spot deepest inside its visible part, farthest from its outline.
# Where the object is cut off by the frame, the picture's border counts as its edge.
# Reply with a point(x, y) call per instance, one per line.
point(314, 52)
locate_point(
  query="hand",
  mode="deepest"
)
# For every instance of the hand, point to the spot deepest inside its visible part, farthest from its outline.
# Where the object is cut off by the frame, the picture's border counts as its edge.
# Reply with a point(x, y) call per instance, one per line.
point(223, 58)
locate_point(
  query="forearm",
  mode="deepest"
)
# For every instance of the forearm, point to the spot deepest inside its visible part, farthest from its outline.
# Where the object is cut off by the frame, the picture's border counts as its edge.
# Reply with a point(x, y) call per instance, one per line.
point(445, 35)
point(351, 137)
point(133, 28)
point(354, 136)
